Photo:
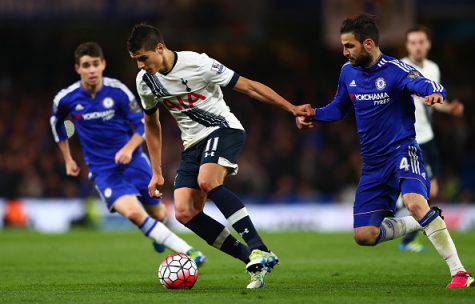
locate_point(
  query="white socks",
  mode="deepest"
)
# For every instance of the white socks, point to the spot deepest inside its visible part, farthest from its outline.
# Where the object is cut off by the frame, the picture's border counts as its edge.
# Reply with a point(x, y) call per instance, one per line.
point(160, 233)
point(392, 228)
point(437, 233)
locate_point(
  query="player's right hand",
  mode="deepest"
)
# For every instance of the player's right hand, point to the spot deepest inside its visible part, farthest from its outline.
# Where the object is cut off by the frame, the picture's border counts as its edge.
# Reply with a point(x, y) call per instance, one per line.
point(154, 186)
point(433, 99)
point(72, 169)
point(304, 123)
point(305, 110)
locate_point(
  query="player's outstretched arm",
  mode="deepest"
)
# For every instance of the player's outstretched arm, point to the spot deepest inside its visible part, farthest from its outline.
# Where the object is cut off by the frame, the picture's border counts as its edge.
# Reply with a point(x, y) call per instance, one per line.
point(72, 168)
point(261, 92)
point(153, 138)
point(432, 92)
point(455, 108)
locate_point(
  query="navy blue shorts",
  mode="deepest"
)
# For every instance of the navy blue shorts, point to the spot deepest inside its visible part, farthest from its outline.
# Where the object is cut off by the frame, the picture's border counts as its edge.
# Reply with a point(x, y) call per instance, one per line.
point(379, 186)
point(131, 179)
point(220, 147)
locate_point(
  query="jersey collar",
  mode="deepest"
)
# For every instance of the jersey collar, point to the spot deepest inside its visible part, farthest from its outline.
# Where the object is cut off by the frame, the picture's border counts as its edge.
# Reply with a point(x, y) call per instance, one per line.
point(87, 93)
point(174, 64)
point(376, 65)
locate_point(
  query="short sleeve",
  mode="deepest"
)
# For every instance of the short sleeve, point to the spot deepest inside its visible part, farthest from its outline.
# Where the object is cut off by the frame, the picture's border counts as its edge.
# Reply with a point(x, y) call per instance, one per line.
point(59, 112)
point(148, 101)
point(212, 71)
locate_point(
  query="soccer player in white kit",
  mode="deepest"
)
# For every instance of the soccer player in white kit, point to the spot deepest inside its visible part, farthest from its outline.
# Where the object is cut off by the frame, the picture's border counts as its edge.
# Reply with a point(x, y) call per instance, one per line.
point(418, 44)
point(188, 85)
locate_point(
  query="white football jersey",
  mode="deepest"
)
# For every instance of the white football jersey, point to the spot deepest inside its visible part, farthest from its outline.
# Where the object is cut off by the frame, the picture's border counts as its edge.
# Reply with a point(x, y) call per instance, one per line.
point(191, 91)
point(429, 70)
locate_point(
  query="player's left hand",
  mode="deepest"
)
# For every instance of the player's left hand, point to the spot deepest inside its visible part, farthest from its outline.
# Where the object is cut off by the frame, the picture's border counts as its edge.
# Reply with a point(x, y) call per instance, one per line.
point(305, 110)
point(124, 156)
point(433, 99)
point(156, 182)
point(457, 108)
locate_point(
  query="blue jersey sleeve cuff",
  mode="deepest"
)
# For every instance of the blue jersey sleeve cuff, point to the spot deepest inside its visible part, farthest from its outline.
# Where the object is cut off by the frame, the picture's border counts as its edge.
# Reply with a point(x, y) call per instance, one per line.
point(233, 81)
point(140, 131)
point(315, 117)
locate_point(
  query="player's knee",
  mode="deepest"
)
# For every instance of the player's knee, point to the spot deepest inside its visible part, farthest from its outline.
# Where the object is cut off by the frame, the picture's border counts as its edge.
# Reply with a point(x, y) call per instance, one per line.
point(184, 215)
point(207, 184)
point(367, 237)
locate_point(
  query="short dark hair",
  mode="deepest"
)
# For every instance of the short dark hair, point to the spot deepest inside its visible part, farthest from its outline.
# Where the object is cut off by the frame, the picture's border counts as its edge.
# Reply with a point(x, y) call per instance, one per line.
point(362, 26)
point(419, 28)
point(88, 48)
point(144, 36)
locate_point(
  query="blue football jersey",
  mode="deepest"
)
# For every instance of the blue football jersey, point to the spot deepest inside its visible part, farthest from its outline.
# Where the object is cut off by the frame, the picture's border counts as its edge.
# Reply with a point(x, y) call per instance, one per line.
point(105, 123)
point(384, 108)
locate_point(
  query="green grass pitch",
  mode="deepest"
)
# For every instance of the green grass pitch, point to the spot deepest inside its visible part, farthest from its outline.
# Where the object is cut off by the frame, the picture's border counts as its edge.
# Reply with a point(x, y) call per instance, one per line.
point(120, 267)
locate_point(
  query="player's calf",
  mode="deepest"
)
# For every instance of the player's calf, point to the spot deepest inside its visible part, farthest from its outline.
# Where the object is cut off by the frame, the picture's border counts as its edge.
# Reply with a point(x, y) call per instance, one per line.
point(158, 212)
point(416, 204)
point(129, 207)
point(188, 210)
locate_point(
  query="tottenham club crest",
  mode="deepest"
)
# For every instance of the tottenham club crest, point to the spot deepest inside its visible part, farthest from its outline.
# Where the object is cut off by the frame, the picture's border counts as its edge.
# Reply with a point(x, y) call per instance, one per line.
point(380, 83)
point(108, 102)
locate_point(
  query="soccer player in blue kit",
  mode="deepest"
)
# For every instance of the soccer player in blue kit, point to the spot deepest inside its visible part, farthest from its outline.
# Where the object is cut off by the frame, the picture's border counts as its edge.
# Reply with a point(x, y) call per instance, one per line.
point(379, 89)
point(110, 127)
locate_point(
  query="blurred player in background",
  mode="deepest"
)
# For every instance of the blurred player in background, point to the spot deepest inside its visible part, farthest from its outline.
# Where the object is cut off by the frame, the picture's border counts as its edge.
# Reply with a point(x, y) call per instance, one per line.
point(379, 88)
point(418, 44)
point(110, 128)
point(189, 84)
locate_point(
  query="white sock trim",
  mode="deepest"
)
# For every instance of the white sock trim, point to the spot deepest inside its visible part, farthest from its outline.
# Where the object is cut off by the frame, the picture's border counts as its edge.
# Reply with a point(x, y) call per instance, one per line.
point(237, 216)
point(221, 238)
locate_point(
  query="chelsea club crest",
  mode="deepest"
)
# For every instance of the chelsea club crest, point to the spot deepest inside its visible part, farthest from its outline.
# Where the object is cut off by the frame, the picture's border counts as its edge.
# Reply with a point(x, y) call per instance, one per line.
point(380, 83)
point(108, 102)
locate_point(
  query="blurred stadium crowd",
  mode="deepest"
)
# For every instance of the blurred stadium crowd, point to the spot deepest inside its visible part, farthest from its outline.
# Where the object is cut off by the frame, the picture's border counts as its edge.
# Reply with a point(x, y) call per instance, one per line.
point(284, 50)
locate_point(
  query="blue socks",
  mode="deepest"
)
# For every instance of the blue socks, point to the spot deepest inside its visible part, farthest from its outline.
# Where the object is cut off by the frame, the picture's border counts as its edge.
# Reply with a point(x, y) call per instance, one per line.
point(431, 215)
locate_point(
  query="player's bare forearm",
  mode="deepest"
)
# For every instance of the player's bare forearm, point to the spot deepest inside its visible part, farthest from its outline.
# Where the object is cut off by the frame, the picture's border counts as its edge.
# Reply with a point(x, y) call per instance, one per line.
point(124, 155)
point(153, 138)
point(261, 92)
point(64, 148)
point(135, 141)
point(72, 168)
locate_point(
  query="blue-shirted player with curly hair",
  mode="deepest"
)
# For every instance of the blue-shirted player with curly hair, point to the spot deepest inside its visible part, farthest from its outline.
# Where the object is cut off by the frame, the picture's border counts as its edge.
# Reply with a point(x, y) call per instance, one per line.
point(379, 89)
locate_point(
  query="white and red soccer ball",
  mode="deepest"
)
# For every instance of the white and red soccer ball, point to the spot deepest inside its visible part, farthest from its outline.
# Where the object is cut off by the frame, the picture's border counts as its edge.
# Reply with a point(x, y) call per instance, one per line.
point(178, 271)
